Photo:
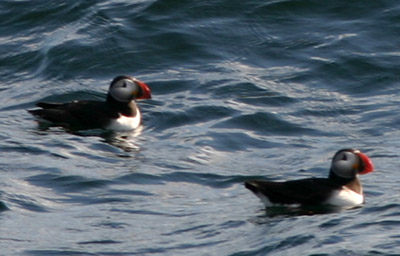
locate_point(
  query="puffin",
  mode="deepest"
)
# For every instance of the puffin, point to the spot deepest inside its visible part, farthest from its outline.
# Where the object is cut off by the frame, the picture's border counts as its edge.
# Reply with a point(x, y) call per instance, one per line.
point(342, 188)
point(119, 112)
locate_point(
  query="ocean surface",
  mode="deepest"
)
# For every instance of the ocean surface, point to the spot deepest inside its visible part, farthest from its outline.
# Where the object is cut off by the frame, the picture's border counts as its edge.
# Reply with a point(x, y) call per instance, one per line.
point(241, 90)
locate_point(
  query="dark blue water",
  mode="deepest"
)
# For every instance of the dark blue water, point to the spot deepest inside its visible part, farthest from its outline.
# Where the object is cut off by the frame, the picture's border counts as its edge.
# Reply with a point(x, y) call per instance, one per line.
point(241, 89)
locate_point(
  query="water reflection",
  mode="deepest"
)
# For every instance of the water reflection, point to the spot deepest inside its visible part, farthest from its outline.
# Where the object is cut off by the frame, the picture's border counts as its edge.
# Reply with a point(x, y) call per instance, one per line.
point(127, 141)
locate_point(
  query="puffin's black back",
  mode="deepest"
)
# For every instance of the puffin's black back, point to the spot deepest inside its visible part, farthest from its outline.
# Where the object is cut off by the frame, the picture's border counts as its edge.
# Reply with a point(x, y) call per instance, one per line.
point(76, 115)
point(312, 191)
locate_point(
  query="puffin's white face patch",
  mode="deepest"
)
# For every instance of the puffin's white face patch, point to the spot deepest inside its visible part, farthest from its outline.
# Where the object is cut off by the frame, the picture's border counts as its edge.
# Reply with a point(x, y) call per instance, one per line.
point(124, 123)
point(123, 90)
point(344, 164)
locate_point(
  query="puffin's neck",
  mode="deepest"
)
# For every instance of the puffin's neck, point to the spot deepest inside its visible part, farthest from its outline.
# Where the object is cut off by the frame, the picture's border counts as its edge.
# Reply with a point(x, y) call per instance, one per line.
point(351, 183)
point(124, 108)
point(356, 186)
point(339, 180)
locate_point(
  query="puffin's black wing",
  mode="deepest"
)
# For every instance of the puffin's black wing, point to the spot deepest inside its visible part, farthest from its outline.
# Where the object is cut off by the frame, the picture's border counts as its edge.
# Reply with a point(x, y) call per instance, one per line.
point(311, 191)
point(77, 114)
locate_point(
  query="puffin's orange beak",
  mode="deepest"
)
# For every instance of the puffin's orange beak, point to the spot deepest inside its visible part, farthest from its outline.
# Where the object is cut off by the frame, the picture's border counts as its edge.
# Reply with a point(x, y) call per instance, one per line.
point(146, 92)
point(368, 165)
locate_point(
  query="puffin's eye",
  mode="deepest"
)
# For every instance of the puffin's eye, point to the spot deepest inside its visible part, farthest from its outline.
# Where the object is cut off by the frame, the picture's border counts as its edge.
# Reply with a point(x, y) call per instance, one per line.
point(124, 85)
point(344, 157)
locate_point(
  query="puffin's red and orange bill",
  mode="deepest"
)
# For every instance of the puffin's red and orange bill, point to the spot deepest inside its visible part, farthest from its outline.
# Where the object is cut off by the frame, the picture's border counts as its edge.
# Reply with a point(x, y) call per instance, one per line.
point(368, 165)
point(146, 92)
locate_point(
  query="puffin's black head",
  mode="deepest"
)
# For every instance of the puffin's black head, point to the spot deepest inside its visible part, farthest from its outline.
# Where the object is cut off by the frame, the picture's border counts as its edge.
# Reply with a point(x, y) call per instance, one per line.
point(347, 163)
point(126, 89)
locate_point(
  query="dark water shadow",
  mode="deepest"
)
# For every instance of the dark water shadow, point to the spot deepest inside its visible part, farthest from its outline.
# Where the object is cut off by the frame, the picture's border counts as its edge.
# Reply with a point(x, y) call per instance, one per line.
point(3, 206)
point(295, 211)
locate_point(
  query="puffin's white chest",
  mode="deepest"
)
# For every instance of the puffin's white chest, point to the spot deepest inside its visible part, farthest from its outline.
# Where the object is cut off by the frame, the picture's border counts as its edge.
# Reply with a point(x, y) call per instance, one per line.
point(346, 197)
point(125, 123)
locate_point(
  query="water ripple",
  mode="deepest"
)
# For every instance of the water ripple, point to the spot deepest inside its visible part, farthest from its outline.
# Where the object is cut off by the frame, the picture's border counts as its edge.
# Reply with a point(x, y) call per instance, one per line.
point(241, 89)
